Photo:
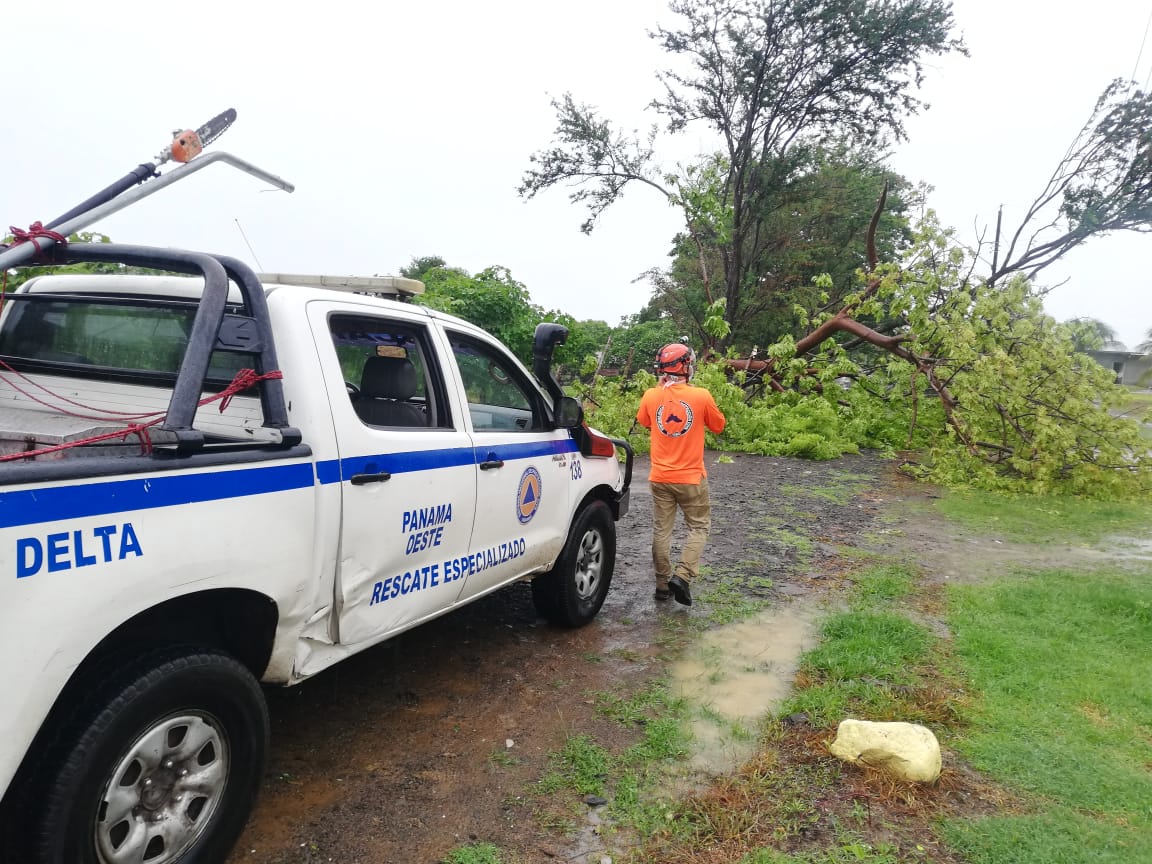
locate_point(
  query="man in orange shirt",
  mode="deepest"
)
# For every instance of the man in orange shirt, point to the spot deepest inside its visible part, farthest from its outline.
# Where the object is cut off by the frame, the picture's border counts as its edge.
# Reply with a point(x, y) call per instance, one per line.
point(676, 414)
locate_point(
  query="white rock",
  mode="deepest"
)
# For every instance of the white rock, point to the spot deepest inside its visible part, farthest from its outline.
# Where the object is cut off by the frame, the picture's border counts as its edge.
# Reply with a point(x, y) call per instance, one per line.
point(907, 750)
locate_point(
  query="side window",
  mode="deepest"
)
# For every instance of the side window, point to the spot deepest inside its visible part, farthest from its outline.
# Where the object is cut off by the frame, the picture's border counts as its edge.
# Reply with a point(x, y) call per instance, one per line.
point(390, 372)
point(499, 398)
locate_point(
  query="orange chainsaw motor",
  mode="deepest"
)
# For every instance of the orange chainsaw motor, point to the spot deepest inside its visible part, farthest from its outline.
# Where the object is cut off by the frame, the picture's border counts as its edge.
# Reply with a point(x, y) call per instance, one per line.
point(186, 146)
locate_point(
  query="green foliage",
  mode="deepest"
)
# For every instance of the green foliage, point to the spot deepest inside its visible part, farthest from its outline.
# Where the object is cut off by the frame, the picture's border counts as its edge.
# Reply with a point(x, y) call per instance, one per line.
point(815, 426)
point(770, 80)
point(1146, 345)
point(809, 239)
point(417, 267)
point(491, 299)
point(1088, 334)
point(996, 392)
point(494, 301)
point(1023, 411)
point(637, 339)
point(714, 323)
point(653, 700)
point(1031, 414)
point(19, 275)
point(883, 582)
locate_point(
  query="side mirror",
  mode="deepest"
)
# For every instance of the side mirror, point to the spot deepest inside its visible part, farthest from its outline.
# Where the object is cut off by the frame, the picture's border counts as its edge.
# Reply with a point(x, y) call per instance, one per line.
point(569, 413)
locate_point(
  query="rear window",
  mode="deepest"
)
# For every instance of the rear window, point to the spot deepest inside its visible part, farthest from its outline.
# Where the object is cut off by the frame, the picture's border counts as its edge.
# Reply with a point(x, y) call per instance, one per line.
point(144, 339)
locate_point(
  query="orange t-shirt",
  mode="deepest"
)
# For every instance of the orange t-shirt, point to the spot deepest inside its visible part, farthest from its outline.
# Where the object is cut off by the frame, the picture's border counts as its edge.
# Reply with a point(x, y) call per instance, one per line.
point(677, 416)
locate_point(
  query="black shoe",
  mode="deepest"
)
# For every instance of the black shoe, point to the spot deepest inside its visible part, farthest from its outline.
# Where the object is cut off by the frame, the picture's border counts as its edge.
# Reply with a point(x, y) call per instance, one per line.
point(680, 590)
point(663, 594)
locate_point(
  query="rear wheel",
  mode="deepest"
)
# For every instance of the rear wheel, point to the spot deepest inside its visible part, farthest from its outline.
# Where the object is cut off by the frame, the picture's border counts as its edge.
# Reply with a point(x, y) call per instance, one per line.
point(161, 765)
point(573, 591)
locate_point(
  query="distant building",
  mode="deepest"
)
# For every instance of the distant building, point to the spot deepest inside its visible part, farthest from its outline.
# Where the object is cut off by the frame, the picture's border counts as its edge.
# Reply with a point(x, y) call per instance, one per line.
point(1130, 368)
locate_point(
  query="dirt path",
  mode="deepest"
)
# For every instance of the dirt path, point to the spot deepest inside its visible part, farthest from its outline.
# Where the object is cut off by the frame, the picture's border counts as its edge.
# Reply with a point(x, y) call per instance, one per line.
point(428, 741)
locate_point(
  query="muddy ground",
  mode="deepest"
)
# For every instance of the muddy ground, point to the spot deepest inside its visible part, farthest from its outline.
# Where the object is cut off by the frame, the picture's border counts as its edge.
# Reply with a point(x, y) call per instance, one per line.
point(431, 740)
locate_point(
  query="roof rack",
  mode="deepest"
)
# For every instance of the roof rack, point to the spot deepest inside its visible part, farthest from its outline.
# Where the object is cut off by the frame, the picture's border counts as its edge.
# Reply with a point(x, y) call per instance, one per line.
point(389, 286)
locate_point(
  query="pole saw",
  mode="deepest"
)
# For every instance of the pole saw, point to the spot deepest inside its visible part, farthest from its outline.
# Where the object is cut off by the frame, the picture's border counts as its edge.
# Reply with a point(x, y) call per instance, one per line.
point(139, 183)
point(185, 147)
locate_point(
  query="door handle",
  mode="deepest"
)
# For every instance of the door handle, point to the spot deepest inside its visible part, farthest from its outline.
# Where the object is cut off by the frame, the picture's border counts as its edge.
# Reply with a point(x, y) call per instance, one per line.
point(362, 479)
point(491, 463)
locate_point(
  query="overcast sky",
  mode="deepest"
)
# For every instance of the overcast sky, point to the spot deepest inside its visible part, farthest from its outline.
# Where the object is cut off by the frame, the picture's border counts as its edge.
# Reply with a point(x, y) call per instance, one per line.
point(407, 126)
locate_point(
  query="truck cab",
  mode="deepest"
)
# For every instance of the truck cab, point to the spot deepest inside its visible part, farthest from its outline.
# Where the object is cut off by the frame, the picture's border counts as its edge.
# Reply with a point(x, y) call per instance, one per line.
point(219, 479)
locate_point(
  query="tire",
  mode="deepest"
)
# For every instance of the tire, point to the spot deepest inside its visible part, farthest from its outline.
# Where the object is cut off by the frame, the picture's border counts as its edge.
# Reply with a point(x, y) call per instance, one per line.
point(160, 765)
point(572, 592)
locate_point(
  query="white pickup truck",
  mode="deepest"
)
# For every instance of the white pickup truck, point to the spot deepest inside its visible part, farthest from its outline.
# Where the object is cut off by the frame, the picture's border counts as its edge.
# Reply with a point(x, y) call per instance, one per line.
point(176, 530)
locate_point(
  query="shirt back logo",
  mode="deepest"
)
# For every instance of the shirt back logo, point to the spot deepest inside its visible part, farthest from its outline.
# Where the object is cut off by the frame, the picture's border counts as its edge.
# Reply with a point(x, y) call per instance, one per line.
point(672, 424)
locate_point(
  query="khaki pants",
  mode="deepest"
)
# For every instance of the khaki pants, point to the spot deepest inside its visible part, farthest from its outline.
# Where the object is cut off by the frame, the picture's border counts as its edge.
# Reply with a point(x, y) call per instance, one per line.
point(692, 499)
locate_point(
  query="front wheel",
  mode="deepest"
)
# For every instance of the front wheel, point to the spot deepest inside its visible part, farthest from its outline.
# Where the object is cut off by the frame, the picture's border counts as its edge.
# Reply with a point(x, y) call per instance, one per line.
point(161, 766)
point(572, 592)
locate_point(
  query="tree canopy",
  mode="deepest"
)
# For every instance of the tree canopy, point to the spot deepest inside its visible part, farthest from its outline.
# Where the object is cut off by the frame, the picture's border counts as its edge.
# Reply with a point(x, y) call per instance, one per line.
point(495, 301)
point(771, 80)
point(1089, 334)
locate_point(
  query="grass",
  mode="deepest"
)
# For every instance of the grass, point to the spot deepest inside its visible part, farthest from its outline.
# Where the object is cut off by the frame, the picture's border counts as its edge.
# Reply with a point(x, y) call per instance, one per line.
point(870, 658)
point(585, 767)
point(781, 530)
point(1062, 662)
point(502, 758)
point(581, 765)
point(1140, 403)
point(1045, 520)
point(740, 593)
point(847, 487)
point(848, 851)
point(883, 581)
point(474, 853)
point(639, 708)
point(632, 780)
point(1043, 689)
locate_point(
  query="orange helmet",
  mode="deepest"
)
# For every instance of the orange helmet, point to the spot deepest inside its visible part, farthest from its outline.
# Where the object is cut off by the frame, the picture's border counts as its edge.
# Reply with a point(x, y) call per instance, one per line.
point(675, 359)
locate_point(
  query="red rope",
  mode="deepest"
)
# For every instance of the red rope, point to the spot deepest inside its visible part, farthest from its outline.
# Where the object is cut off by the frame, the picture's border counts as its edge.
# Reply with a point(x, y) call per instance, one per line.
point(106, 415)
point(35, 233)
point(244, 380)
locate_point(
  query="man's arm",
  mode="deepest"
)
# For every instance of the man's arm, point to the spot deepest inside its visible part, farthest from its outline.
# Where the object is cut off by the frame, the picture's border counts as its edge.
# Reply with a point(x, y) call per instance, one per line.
point(714, 418)
point(644, 412)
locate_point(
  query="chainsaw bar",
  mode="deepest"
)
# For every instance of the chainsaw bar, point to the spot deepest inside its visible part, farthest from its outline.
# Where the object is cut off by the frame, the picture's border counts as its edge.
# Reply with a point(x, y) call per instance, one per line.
point(216, 127)
point(188, 144)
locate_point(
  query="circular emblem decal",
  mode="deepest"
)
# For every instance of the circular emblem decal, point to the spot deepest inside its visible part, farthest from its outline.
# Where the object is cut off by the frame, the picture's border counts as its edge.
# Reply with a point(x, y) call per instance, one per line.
point(528, 495)
point(674, 418)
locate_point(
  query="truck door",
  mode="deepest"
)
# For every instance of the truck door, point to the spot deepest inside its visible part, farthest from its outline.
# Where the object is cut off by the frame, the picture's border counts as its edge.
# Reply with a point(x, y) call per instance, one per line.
point(523, 468)
point(406, 469)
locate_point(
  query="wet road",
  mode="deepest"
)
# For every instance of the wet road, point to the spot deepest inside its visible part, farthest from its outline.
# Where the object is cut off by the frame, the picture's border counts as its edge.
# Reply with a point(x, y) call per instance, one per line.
point(430, 740)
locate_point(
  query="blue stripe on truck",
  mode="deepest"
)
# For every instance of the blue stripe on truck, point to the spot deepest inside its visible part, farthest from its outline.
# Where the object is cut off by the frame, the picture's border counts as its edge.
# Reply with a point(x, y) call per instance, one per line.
point(145, 492)
point(149, 491)
point(332, 471)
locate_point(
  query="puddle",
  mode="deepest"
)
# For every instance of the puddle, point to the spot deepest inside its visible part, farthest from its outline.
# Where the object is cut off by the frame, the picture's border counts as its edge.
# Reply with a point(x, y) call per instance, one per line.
point(1130, 547)
point(736, 674)
point(731, 678)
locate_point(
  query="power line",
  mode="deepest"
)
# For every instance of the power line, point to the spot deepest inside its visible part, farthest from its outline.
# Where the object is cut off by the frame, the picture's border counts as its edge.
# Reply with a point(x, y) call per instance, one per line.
point(1140, 53)
point(249, 245)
